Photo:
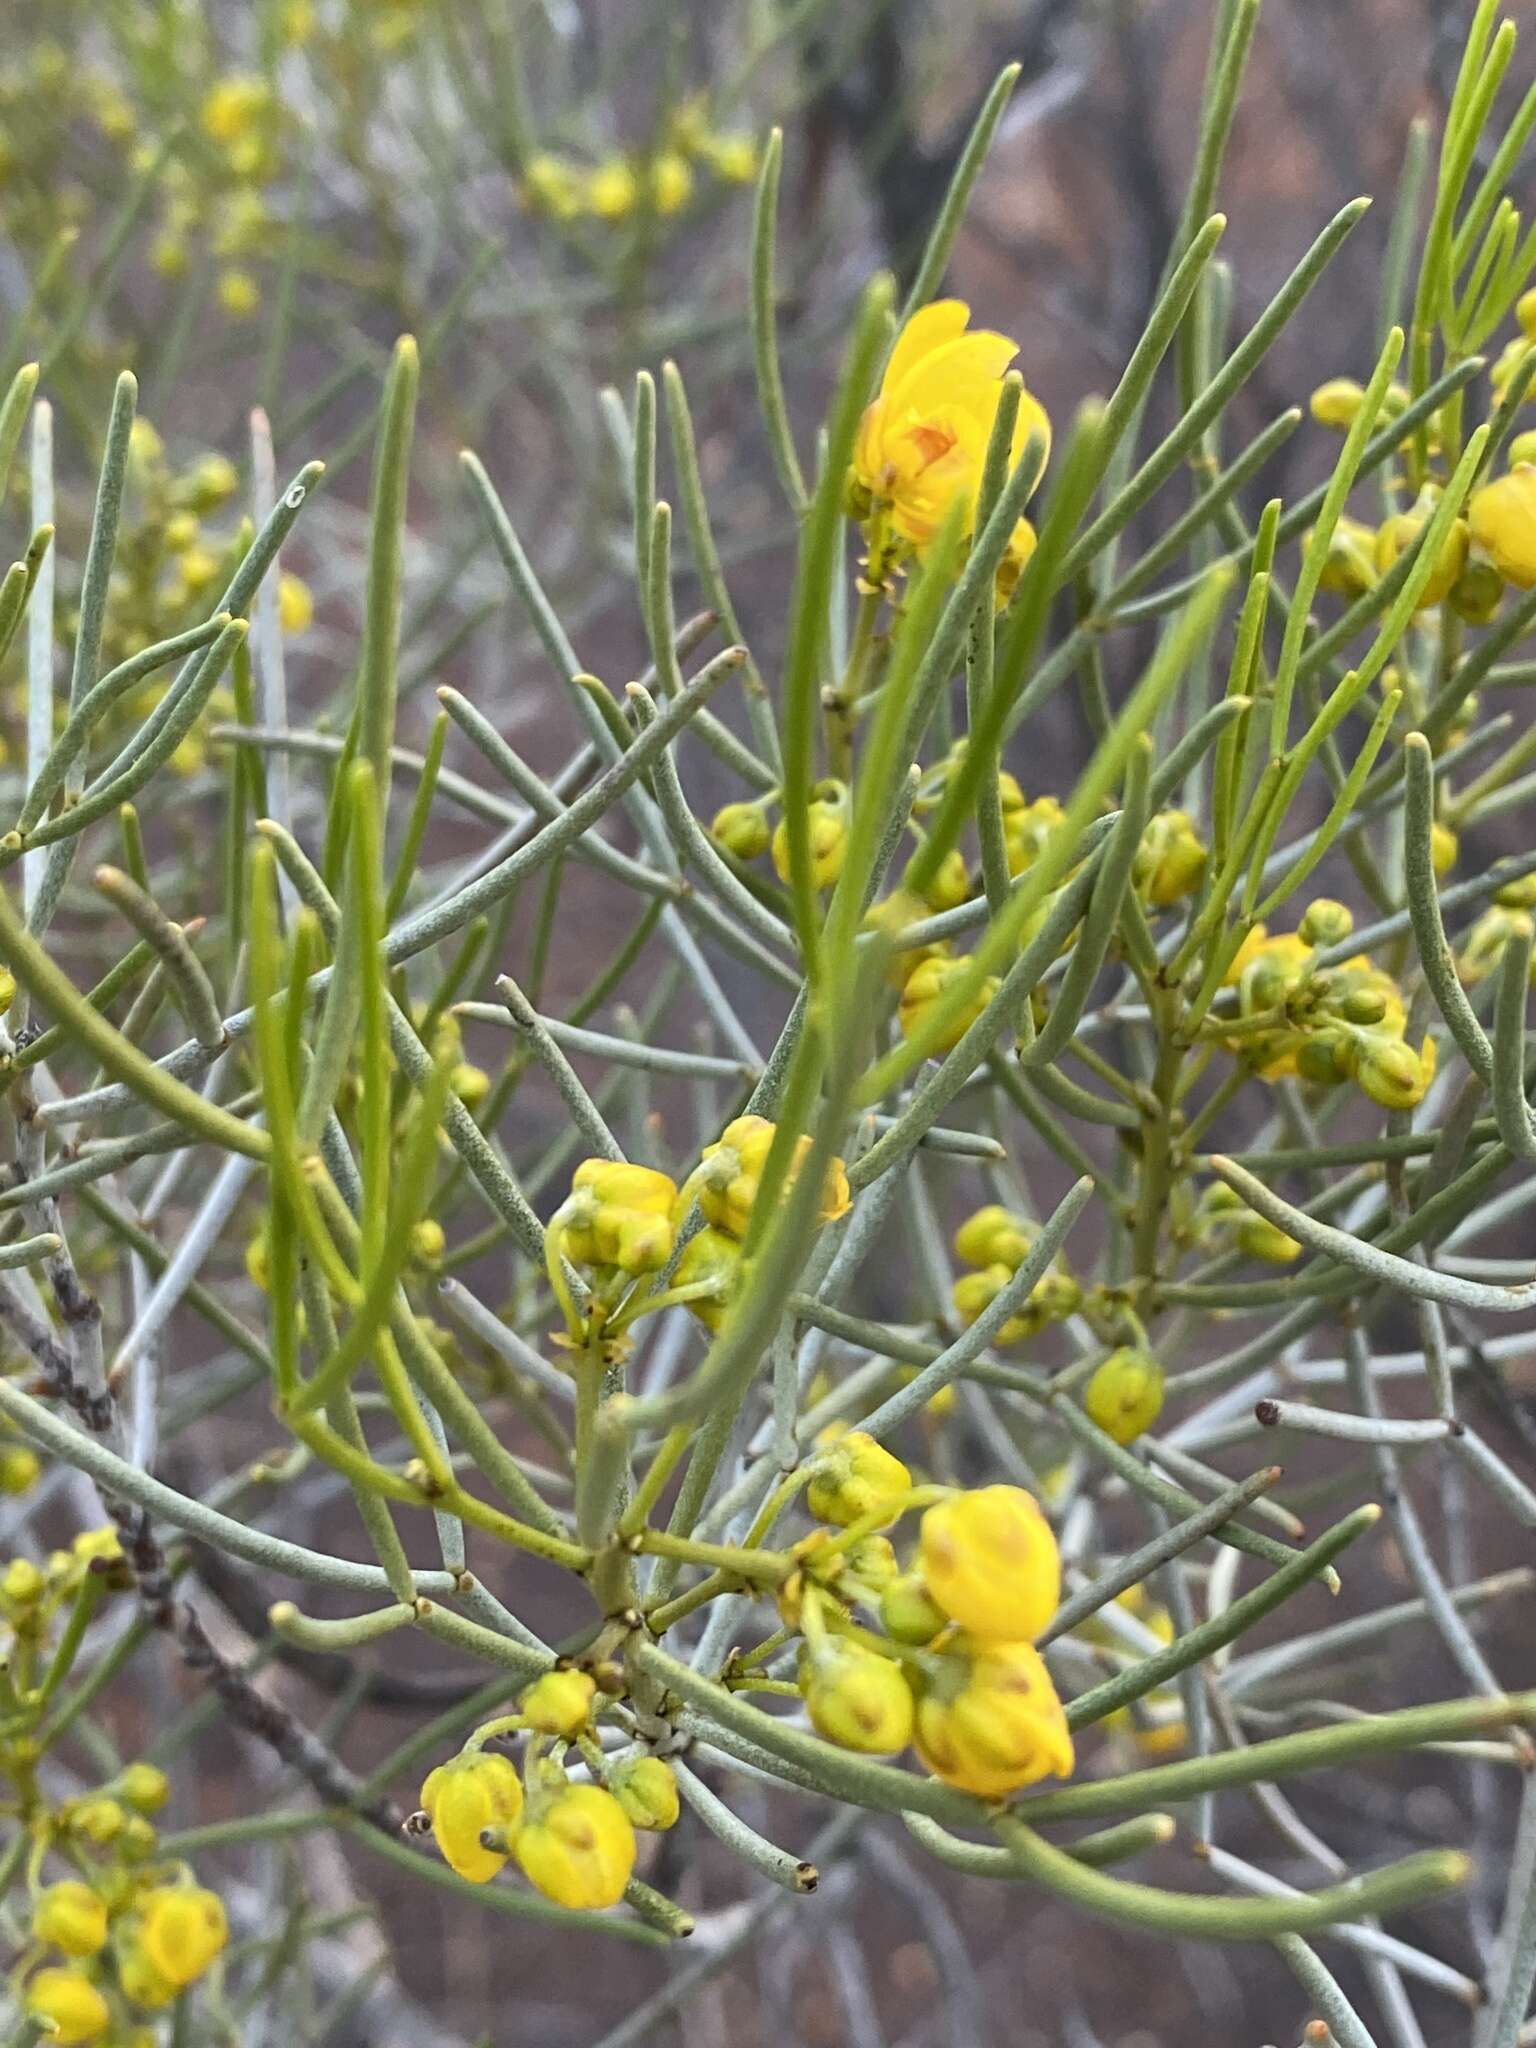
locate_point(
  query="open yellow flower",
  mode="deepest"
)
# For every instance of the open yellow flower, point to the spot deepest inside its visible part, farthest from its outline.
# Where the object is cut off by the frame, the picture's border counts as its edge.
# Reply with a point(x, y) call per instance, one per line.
point(923, 440)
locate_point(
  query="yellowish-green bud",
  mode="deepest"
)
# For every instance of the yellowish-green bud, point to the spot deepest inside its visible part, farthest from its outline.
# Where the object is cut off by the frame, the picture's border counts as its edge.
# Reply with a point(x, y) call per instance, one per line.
point(559, 1702)
point(1325, 922)
point(828, 829)
point(855, 1697)
point(1261, 1239)
point(1392, 1073)
point(731, 1171)
point(908, 1612)
point(1170, 859)
point(1477, 592)
point(620, 1215)
point(70, 1917)
point(1443, 847)
point(1398, 533)
point(855, 1477)
point(646, 1788)
point(1335, 403)
point(710, 1256)
point(994, 1236)
point(926, 985)
point(1125, 1395)
point(741, 829)
point(19, 1468)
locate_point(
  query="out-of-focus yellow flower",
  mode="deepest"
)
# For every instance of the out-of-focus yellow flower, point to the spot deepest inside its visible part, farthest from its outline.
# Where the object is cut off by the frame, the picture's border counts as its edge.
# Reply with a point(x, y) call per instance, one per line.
point(855, 1697)
point(1125, 1394)
point(466, 1798)
point(828, 824)
point(552, 186)
point(1336, 403)
point(181, 1929)
point(741, 829)
point(646, 1788)
point(295, 604)
point(69, 2004)
point(1027, 830)
point(1392, 1074)
point(1170, 859)
point(1397, 534)
point(1525, 313)
point(734, 158)
point(989, 1560)
point(559, 1702)
point(994, 1236)
point(927, 983)
point(1502, 516)
point(1261, 1239)
point(579, 1849)
point(19, 1469)
point(70, 1917)
point(619, 1215)
point(922, 442)
point(671, 182)
point(990, 1721)
point(730, 1172)
point(239, 293)
point(855, 1476)
point(908, 1611)
point(612, 189)
point(1443, 847)
point(145, 1787)
point(234, 107)
point(1349, 568)
point(7, 989)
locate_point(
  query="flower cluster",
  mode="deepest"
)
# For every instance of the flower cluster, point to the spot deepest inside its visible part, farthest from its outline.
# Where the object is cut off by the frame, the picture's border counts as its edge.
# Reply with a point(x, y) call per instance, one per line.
point(660, 182)
point(1325, 1024)
point(573, 1839)
point(996, 1243)
point(944, 1657)
point(1512, 914)
point(120, 1931)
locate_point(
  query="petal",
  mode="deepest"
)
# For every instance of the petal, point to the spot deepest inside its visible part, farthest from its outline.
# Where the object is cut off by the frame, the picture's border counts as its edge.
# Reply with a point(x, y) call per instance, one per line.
point(1032, 415)
point(963, 373)
point(927, 330)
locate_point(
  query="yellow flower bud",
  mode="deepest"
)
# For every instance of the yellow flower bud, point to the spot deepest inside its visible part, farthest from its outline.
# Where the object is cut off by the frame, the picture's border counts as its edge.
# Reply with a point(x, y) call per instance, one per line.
point(21, 1583)
point(671, 182)
point(100, 1821)
point(990, 1721)
point(1487, 940)
point(7, 989)
point(181, 1929)
point(709, 1255)
point(828, 824)
point(70, 2005)
point(139, 1979)
point(1443, 847)
point(1477, 593)
point(580, 1850)
point(626, 1220)
point(731, 1171)
point(1027, 831)
point(239, 293)
point(646, 1788)
point(1125, 1395)
point(1349, 568)
point(464, 1799)
point(989, 1560)
point(1325, 922)
point(559, 1702)
point(19, 1469)
point(741, 829)
point(612, 190)
point(855, 1476)
point(552, 186)
point(908, 1612)
point(233, 107)
point(921, 993)
point(70, 1917)
point(855, 1697)
point(471, 1084)
point(734, 158)
point(428, 1241)
point(1170, 859)
point(1261, 1239)
point(1521, 448)
point(974, 1293)
point(1016, 559)
point(1392, 1073)
point(144, 1787)
point(295, 604)
point(1525, 313)
point(951, 886)
point(212, 483)
point(1502, 516)
point(994, 1236)
point(1336, 403)
point(1397, 534)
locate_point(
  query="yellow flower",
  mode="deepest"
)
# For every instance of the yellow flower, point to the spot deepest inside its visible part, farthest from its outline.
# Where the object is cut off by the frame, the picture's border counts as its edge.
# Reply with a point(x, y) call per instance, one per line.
point(671, 182)
point(646, 1788)
point(989, 1559)
point(855, 1697)
point(19, 1469)
point(731, 1170)
point(1502, 516)
point(1349, 568)
point(70, 2004)
point(1125, 1395)
point(70, 1917)
point(922, 990)
point(559, 1702)
point(621, 1216)
point(181, 1929)
point(7, 988)
point(612, 190)
point(922, 442)
point(295, 604)
point(552, 186)
point(580, 1850)
point(1335, 403)
point(428, 1240)
point(828, 826)
point(465, 1798)
point(734, 158)
point(856, 1475)
point(1027, 829)
point(1170, 859)
point(239, 293)
point(234, 107)
point(1397, 534)
point(991, 1722)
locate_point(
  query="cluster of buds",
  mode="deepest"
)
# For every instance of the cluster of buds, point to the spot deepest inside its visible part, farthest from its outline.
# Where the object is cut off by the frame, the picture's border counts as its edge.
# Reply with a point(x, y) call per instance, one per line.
point(126, 1931)
point(726, 1184)
point(996, 1243)
point(1511, 915)
point(743, 830)
point(943, 1658)
point(1327, 1025)
point(659, 183)
point(573, 1839)
point(1224, 1219)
